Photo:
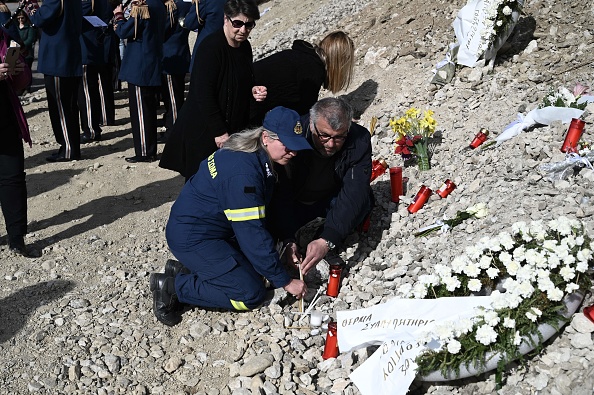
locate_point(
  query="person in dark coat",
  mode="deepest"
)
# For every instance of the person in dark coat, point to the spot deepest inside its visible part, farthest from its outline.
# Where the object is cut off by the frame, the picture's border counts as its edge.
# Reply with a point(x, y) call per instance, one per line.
point(176, 64)
point(142, 68)
point(294, 77)
point(217, 226)
point(13, 129)
point(60, 61)
point(204, 17)
point(331, 181)
point(221, 85)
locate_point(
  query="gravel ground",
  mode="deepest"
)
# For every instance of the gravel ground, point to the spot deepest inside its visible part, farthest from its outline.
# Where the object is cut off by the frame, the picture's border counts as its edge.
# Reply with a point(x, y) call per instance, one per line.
point(77, 316)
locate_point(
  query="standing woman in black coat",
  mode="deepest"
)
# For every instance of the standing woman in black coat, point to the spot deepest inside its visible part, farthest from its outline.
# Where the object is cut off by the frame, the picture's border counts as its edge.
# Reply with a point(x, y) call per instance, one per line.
point(221, 85)
point(294, 77)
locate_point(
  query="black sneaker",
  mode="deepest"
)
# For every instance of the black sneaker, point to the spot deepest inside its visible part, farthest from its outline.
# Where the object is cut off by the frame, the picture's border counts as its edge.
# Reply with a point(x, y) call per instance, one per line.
point(165, 303)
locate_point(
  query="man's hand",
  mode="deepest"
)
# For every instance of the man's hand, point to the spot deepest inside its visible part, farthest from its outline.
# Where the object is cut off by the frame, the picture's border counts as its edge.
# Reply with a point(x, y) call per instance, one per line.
point(291, 255)
point(220, 140)
point(316, 250)
point(259, 92)
point(297, 288)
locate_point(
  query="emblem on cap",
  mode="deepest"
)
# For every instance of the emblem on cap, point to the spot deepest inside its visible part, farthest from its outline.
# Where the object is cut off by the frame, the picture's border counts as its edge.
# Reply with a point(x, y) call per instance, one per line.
point(298, 129)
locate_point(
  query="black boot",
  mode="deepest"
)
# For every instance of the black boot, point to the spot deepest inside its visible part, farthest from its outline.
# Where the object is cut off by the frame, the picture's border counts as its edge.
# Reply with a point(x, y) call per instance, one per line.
point(173, 268)
point(165, 303)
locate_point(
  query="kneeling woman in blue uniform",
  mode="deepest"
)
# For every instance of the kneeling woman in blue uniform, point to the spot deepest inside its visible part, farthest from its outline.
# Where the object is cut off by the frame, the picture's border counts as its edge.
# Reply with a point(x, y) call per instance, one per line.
point(217, 226)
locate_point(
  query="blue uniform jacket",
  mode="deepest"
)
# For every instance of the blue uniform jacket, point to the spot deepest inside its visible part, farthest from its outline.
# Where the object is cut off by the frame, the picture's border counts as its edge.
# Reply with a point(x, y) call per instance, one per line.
point(141, 65)
point(176, 49)
point(94, 39)
point(59, 45)
point(212, 15)
point(226, 199)
point(12, 30)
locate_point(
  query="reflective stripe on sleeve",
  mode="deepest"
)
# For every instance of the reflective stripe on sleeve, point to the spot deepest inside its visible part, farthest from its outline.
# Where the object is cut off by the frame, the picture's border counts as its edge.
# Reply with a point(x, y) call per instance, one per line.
point(245, 214)
point(238, 305)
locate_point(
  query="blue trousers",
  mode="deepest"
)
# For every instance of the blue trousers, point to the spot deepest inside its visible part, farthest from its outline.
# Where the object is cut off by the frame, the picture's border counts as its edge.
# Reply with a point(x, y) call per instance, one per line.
point(221, 276)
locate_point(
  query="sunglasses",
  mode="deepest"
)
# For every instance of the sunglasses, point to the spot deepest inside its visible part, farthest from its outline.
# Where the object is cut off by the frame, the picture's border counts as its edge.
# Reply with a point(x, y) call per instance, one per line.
point(237, 24)
point(324, 138)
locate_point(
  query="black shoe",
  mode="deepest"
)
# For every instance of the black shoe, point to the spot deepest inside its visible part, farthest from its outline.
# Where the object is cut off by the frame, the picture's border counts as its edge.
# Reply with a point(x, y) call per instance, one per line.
point(173, 268)
point(165, 303)
point(161, 138)
point(60, 158)
point(84, 139)
point(138, 159)
point(16, 244)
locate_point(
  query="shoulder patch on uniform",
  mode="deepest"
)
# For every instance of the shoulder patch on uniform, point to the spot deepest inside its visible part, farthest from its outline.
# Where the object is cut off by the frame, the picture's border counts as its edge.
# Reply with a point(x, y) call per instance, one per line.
point(249, 189)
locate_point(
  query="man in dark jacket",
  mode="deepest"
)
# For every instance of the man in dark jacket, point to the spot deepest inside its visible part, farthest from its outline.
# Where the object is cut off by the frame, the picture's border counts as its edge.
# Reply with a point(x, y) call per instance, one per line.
point(331, 181)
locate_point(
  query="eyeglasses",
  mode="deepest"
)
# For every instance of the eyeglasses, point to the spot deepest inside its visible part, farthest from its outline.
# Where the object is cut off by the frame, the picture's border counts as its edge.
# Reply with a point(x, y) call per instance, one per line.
point(237, 24)
point(324, 138)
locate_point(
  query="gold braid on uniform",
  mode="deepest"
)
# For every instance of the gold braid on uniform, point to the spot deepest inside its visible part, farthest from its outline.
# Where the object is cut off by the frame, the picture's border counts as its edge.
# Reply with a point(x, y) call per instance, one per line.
point(139, 10)
point(170, 5)
point(200, 20)
point(3, 7)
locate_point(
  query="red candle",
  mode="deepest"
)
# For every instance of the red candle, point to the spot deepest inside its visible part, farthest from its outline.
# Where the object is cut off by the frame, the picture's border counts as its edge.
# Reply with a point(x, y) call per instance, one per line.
point(334, 280)
point(589, 312)
point(378, 167)
point(331, 347)
point(574, 133)
point(480, 138)
point(396, 183)
point(420, 199)
point(445, 189)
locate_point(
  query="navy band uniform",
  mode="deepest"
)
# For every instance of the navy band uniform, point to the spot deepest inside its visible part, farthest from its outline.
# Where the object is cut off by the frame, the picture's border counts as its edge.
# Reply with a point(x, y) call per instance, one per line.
point(60, 60)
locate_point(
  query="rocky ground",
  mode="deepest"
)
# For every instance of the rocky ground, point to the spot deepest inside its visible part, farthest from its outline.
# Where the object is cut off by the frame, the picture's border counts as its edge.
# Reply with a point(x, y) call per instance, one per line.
point(77, 318)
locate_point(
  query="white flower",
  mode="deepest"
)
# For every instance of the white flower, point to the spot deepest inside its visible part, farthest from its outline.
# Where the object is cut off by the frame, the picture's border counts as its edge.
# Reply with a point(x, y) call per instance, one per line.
point(405, 290)
point(485, 262)
point(549, 244)
point(492, 272)
point(499, 23)
point(581, 266)
point(519, 253)
point(567, 273)
point(419, 290)
point(442, 270)
point(584, 255)
point(428, 279)
point(491, 318)
point(479, 210)
point(473, 252)
point(509, 323)
point(486, 335)
point(579, 240)
point(475, 285)
point(463, 326)
point(444, 332)
point(459, 263)
point(532, 317)
point(506, 10)
point(571, 287)
point(517, 338)
point(454, 346)
point(525, 289)
point(451, 283)
point(555, 294)
point(506, 240)
point(471, 270)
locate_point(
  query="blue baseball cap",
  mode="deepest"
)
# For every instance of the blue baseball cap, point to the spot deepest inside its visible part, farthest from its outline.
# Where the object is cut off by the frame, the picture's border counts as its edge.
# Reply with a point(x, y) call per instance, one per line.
point(286, 124)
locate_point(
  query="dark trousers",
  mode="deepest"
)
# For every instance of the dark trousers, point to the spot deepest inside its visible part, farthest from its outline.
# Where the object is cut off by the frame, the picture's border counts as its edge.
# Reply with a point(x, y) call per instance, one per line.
point(13, 189)
point(106, 94)
point(62, 103)
point(172, 93)
point(143, 117)
point(221, 276)
point(89, 102)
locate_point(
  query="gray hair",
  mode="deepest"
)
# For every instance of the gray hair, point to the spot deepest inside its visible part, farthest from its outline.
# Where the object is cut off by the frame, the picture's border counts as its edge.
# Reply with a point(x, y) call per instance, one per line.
point(336, 111)
point(249, 140)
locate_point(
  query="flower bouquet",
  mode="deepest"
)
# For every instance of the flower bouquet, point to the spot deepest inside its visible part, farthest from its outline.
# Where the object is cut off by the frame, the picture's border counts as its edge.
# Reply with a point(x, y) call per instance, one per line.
point(412, 136)
point(561, 105)
point(528, 272)
point(477, 211)
point(482, 27)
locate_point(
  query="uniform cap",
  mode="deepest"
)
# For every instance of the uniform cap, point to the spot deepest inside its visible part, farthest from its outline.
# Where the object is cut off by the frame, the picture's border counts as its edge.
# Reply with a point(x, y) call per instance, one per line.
point(286, 124)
